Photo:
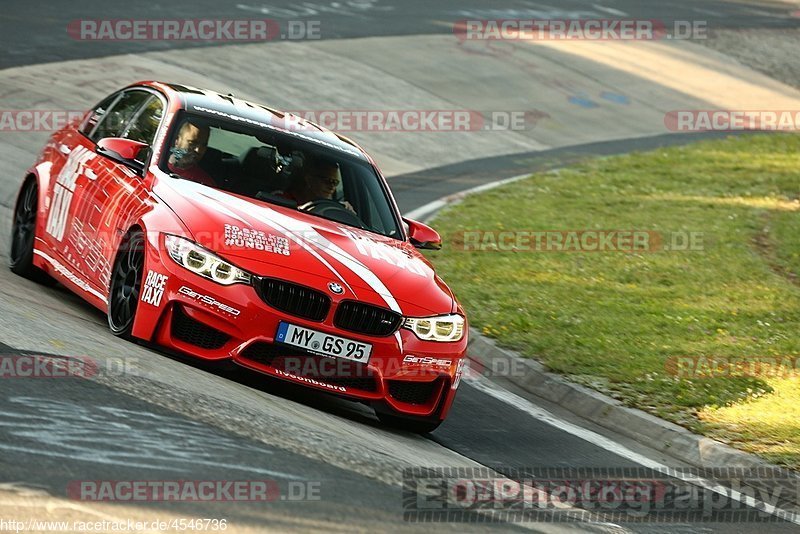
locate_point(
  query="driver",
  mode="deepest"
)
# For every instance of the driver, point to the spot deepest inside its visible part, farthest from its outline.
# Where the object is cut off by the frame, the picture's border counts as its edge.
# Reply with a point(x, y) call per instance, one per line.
point(319, 181)
point(190, 147)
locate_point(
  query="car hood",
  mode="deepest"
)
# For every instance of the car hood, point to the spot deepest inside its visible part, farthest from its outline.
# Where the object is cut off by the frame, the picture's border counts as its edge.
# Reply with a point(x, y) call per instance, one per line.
point(273, 241)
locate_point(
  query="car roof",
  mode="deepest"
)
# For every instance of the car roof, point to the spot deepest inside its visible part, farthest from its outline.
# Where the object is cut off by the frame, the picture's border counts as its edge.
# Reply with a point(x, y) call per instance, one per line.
point(211, 103)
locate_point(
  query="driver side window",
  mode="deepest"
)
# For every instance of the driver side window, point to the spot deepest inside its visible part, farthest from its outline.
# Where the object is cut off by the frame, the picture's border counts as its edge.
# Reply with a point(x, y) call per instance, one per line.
point(143, 127)
point(115, 120)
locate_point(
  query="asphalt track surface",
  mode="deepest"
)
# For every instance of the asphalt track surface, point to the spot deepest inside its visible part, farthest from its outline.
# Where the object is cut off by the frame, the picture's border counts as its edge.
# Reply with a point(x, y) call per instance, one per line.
point(175, 419)
point(33, 32)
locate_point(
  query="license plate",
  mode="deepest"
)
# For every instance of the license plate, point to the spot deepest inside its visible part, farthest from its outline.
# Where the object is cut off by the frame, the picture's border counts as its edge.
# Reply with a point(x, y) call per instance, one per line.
point(323, 344)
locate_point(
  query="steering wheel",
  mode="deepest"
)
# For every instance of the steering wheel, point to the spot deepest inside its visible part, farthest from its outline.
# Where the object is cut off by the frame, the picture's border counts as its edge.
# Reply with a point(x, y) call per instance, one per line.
point(334, 210)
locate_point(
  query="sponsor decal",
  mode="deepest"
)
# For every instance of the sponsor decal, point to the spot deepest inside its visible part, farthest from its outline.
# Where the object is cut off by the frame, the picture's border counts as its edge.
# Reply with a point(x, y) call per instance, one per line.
point(427, 360)
point(255, 239)
point(208, 300)
point(69, 275)
point(265, 125)
point(154, 286)
point(91, 251)
point(386, 253)
point(460, 372)
point(305, 380)
point(159, 142)
point(64, 189)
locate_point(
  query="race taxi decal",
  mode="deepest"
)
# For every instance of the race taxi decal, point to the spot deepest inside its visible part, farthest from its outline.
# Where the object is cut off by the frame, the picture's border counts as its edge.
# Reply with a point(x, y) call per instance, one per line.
point(255, 239)
point(64, 189)
point(209, 301)
point(154, 286)
point(382, 251)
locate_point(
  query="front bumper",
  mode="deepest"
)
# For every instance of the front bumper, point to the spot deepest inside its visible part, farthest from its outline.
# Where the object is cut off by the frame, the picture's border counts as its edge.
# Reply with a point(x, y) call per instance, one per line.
point(206, 320)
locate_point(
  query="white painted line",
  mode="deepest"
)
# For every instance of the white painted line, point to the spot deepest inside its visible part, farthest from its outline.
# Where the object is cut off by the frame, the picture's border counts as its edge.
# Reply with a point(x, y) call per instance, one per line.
point(425, 211)
point(610, 10)
point(537, 412)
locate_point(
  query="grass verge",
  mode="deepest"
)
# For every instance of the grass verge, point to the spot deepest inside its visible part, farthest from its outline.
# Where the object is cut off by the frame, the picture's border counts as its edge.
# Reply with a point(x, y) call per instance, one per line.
point(673, 332)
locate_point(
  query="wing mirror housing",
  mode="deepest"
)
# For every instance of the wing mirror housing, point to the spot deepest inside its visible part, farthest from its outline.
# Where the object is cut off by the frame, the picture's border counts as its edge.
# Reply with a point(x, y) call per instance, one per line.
point(125, 151)
point(423, 236)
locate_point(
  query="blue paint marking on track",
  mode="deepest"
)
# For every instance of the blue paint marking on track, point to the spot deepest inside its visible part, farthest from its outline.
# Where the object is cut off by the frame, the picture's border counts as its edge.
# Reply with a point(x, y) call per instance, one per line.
point(615, 97)
point(584, 102)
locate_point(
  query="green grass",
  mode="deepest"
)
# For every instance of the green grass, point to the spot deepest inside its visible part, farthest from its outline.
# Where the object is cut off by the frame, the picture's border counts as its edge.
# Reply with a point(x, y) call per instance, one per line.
point(612, 320)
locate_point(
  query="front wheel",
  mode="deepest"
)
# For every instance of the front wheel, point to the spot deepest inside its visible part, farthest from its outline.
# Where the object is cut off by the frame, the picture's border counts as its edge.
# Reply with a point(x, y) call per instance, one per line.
point(126, 283)
point(417, 426)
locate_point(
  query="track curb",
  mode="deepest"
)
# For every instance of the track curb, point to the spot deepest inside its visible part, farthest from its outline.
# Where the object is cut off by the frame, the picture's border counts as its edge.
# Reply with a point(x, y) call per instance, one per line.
point(532, 377)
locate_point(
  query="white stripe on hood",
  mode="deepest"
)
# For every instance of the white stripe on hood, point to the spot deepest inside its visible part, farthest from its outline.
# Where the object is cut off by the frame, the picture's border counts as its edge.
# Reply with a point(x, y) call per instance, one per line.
point(303, 234)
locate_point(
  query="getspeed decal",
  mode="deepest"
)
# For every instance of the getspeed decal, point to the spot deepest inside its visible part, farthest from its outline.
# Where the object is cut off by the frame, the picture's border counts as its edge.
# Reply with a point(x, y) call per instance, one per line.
point(209, 300)
point(154, 286)
point(427, 360)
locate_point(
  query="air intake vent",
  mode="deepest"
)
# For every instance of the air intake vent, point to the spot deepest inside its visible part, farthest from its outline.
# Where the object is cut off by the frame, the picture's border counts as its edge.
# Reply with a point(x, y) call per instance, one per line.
point(366, 319)
point(294, 299)
point(413, 392)
point(196, 333)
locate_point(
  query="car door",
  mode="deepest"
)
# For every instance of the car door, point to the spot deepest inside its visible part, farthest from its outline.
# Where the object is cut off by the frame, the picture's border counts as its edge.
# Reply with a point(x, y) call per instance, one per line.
point(72, 220)
point(70, 158)
point(113, 200)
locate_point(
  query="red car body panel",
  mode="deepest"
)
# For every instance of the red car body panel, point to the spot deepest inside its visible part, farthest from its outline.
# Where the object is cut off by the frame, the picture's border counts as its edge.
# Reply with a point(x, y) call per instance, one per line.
point(88, 202)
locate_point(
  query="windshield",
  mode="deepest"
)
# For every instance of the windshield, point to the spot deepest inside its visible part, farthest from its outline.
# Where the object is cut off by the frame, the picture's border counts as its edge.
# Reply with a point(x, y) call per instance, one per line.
point(280, 168)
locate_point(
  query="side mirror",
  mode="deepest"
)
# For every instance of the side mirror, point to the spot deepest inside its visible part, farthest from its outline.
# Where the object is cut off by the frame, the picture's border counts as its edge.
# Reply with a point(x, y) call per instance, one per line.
point(125, 151)
point(423, 236)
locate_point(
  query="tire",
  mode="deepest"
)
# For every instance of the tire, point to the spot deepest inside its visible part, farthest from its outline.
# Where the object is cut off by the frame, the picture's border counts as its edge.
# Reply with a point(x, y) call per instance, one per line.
point(125, 285)
point(416, 426)
point(23, 235)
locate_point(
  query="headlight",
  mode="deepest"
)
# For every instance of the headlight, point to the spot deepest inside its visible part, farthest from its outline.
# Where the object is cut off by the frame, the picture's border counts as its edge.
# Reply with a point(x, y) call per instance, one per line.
point(441, 328)
point(203, 262)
